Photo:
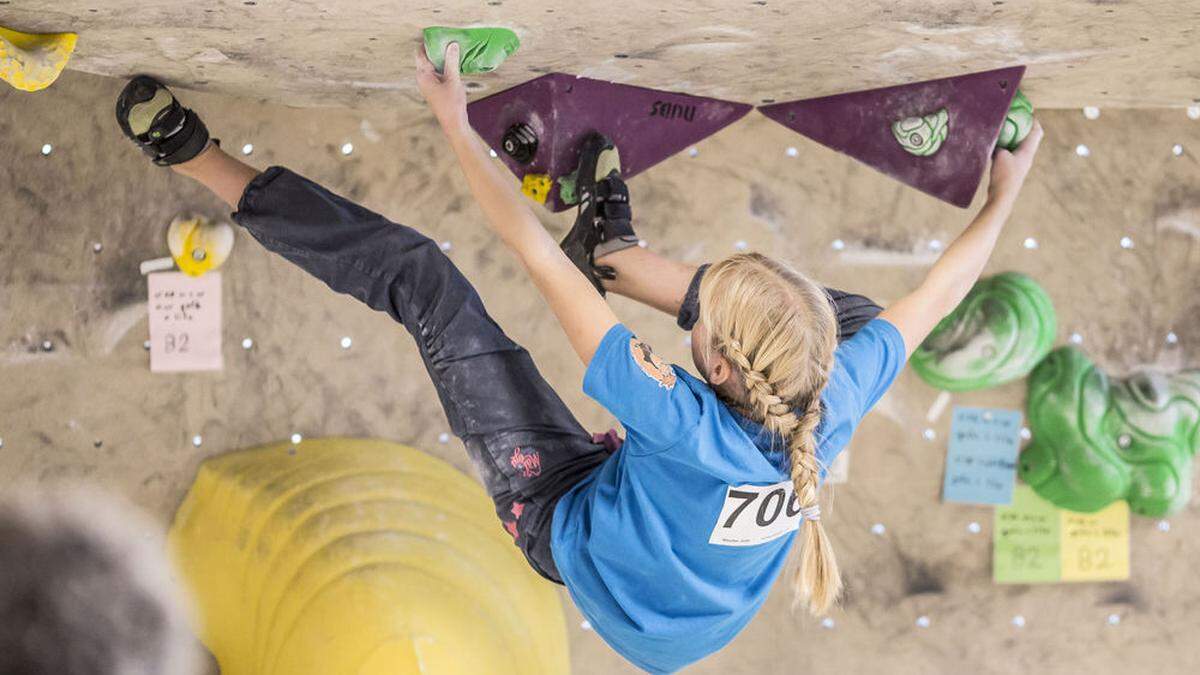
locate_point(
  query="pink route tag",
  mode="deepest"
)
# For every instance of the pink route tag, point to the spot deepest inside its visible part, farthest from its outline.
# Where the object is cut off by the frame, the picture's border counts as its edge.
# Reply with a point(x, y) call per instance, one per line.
point(185, 322)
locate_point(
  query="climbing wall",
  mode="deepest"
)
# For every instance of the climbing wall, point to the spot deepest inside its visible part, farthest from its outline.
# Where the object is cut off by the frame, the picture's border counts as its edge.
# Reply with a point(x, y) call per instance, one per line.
point(1085, 52)
point(78, 402)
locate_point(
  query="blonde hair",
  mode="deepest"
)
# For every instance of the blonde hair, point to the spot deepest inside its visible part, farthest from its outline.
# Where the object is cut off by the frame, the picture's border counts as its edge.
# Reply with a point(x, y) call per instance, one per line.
point(778, 330)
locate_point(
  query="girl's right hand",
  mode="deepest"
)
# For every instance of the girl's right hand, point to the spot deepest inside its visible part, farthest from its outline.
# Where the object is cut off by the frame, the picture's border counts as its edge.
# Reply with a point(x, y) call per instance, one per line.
point(445, 93)
point(1009, 169)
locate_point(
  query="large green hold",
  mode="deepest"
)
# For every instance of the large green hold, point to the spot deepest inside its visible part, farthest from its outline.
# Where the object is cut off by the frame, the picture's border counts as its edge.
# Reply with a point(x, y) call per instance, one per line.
point(1017, 123)
point(480, 50)
point(997, 334)
point(1097, 439)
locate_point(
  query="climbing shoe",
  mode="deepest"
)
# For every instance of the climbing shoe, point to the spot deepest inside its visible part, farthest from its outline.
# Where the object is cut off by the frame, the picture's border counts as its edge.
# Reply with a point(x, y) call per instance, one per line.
point(151, 117)
point(604, 223)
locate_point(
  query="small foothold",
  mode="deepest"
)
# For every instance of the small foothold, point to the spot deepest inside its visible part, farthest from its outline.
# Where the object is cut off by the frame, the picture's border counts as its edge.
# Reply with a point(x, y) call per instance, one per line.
point(838, 244)
point(1172, 338)
point(1082, 150)
point(1177, 150)
point(692, 152)
point(923, 622)
point(347, 148)
point(1, 442)
point(443, 438)
point(296, 438)
point(247, 343)
point(1018, 621)
point(792, 152)
point(1091, 112)
point(146, 345)
point(197, 440)
point(1031, 243)
point(1076, 339)
point(878, 529)
point(973, 527)
point(1026, 434)
point(642, 243)
point(445, 246)
point(1164, 526)
point(1114, 619)
point(97, 443)
point(935, 244)
point(97, 247)
point(47, 346)
point(47, 149)
point(346, 342)
point(929, 434)
point(493, 153)
point(247, 148)
point(1193, 112)
point(1126, 242)
point(827, 623)
point(740, 245)
point(585, 624)
point(687, 340)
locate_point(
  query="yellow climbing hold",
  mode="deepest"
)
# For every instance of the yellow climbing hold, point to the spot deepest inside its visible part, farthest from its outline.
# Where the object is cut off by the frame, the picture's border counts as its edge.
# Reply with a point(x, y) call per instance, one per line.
point(198, 244)
point(358, 557)
point(536, 186)
point(32, 61)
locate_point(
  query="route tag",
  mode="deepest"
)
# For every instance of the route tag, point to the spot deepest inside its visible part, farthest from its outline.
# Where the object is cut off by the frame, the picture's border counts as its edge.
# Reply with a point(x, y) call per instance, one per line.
point(756, 514)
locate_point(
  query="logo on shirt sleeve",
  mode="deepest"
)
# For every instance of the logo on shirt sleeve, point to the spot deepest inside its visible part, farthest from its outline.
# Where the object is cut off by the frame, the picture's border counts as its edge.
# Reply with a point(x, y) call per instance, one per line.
point(654, 367)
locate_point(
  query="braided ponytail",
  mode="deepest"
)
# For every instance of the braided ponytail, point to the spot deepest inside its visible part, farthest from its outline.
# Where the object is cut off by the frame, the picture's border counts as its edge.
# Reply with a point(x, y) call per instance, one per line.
point(778, 331)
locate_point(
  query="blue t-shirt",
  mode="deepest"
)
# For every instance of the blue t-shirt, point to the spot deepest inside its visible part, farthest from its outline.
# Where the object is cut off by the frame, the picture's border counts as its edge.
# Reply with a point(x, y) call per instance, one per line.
point(632, 540)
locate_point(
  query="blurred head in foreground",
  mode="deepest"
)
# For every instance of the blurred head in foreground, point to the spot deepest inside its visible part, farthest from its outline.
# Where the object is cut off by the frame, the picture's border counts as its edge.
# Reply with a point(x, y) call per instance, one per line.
point(83, 591)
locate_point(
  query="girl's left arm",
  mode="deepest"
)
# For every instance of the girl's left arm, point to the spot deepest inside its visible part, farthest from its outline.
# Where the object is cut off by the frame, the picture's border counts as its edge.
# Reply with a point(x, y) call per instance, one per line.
point(582, 312)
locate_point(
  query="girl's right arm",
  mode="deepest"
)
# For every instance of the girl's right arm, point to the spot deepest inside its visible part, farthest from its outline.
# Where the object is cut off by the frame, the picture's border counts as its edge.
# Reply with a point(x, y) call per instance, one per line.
point(953, 275)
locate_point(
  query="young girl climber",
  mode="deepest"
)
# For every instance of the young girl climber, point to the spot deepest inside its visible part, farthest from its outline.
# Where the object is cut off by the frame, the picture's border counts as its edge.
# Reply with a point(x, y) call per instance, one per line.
point(669, 544)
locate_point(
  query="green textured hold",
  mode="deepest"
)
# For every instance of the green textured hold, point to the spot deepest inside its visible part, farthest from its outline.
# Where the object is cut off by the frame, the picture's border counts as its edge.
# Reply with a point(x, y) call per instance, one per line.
point(922, 136)
point(1017, 122)
point(1097, 439)
point(480, 50)
point(566, 188)
point(997, 334)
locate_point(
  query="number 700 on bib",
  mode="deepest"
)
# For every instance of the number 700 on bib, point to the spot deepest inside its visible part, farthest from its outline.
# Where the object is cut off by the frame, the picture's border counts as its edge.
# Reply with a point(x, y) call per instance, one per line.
point(756, 514)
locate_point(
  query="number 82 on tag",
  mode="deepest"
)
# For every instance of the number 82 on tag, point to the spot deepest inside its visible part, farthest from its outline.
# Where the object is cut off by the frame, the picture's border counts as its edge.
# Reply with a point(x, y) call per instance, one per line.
point(756, 514)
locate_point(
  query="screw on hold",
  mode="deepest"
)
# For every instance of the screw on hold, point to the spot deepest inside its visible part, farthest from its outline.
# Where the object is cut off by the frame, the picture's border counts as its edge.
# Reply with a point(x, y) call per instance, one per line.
point(520, 142)
point(199, 254)
point(1124, 440)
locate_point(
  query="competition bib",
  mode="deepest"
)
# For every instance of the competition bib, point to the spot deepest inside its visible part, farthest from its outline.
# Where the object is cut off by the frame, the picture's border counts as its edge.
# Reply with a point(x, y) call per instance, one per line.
point(756, 514)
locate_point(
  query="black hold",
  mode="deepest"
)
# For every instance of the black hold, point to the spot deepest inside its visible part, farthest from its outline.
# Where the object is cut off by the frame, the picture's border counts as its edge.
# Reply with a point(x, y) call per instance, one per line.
point(520, 143)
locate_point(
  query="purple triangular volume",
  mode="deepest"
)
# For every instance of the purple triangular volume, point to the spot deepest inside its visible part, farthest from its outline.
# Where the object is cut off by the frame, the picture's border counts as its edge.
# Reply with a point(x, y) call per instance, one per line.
point(647, 125)
point(859, 124)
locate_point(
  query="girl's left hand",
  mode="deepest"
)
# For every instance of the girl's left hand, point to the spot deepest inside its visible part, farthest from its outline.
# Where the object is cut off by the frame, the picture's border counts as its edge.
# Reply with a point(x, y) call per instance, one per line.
point(445, 93)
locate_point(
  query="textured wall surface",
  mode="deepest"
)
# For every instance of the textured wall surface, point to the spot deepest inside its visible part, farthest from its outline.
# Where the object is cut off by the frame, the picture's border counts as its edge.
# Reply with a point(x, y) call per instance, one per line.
point(90, 410)
point(1080, 52)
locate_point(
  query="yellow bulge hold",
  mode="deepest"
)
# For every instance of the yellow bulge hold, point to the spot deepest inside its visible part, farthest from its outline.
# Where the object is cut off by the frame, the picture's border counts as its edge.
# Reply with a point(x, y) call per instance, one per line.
point(358, 557)
point(198, 244)
point(33, 61)
point(536, 186)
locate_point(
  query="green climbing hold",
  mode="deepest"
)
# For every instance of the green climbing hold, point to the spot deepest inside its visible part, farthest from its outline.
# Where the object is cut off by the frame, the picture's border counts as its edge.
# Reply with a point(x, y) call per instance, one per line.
point(566, 188)
point(1017, 122)
point(997, 334)
point(480, 50)
point(922, 136)
point(1097, 439)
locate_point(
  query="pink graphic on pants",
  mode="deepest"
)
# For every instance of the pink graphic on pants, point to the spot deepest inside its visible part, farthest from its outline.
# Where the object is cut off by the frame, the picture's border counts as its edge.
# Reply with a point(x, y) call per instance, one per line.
point(517, 509)
point(529, 462)
point(511, 526)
